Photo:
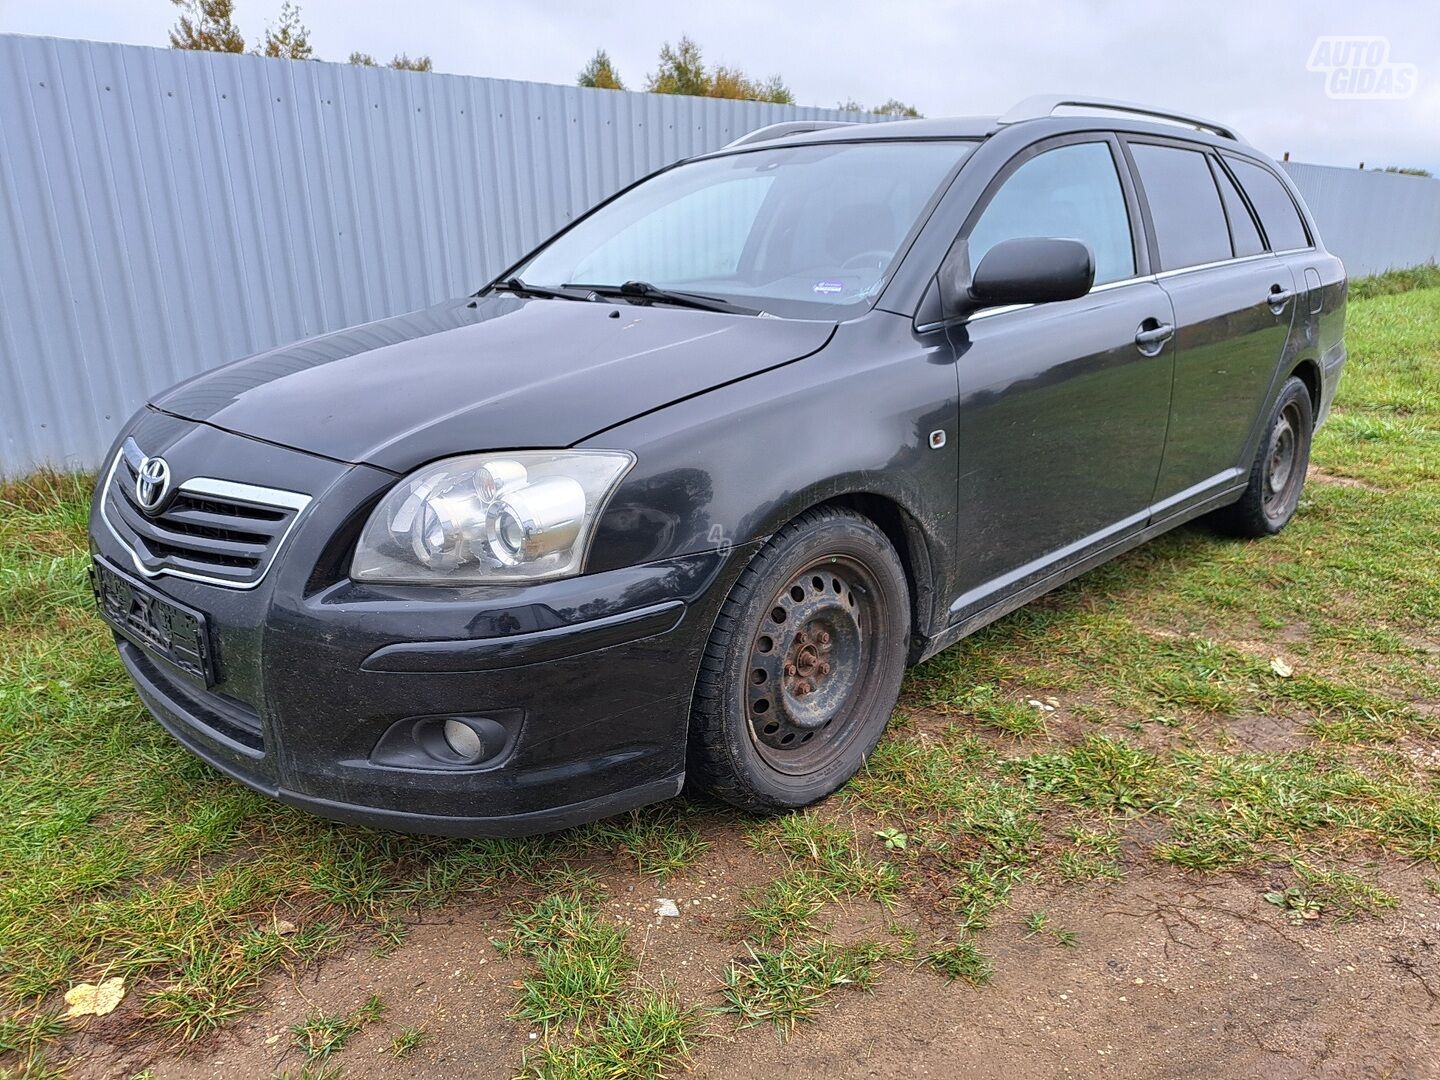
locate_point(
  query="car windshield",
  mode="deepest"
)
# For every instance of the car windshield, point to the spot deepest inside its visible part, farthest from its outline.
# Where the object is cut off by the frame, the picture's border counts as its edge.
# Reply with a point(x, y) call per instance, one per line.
point(803, 230)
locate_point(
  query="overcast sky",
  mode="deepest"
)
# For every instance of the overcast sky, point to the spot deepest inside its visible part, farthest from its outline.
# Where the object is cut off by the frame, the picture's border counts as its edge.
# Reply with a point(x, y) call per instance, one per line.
point(1242, 62)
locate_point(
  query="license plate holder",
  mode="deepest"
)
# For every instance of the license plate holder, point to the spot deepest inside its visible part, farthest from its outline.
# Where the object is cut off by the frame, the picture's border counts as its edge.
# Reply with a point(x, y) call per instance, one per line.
point(169, 632)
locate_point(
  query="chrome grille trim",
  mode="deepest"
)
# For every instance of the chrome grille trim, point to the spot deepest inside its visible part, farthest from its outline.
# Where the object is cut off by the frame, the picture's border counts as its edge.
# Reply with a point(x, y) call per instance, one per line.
point(286, 508)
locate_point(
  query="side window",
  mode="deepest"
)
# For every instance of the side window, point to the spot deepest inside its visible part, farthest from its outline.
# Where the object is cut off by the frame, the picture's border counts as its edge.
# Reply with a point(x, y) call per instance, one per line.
point(1071, 192)
point(1244, 234)
point(1184, 205)
point(1283, 227)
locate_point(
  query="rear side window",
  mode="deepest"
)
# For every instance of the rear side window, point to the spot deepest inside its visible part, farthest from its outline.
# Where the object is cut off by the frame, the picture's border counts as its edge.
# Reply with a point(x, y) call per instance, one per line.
point(1072, 192)
point(1283, 227)
point(1243, 232)
point(1184, 205)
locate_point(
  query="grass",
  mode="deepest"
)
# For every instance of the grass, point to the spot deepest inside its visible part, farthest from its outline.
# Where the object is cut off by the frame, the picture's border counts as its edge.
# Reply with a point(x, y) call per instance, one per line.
point(1164, 737)
point(961, 960)
point(407, 1040)
point(786, 985)
point(600, 1019)
point(1396, 281)
point(319, 1036)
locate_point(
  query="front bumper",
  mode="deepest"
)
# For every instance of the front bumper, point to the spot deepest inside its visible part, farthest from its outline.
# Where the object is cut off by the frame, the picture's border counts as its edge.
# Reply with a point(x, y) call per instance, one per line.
point(591, 676)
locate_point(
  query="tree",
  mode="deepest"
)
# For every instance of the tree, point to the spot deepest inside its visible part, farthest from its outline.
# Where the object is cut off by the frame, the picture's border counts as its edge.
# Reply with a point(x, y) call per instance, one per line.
point(207, 26)
point(682, 71)
point(402, 62)
point(600, 73)
point(896, 107)
point(290, 40)
point(893, 107)
point(1408, 170)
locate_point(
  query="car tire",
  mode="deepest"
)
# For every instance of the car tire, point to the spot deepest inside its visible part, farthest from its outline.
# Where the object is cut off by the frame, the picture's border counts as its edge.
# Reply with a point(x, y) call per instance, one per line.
point(1277, 475)
point(804, 665)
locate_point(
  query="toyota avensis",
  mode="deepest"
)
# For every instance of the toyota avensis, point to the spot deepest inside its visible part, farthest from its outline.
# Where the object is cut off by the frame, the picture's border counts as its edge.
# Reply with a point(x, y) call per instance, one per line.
point(678, 496)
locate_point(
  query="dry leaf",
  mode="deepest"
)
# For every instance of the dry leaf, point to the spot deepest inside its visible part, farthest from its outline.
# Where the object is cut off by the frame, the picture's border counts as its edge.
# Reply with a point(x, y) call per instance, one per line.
point(1281, 668)
point(87, 999)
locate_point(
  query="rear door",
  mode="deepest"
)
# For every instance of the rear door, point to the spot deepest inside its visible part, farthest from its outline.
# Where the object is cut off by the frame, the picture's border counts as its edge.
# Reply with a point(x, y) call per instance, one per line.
point(1233, 304)
point(1317, 332)
point(1062, 406)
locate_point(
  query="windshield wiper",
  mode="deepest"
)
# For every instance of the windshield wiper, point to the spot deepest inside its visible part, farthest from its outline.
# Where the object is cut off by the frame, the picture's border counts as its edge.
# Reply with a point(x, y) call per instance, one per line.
point(643, 290)
point(544, 292)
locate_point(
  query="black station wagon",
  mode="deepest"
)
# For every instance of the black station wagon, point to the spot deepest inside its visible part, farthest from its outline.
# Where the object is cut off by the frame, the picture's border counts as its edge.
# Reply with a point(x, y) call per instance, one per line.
point(677, 497)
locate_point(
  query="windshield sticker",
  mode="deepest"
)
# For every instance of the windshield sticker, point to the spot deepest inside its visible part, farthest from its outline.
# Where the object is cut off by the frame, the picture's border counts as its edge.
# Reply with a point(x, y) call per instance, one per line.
point(824, 287)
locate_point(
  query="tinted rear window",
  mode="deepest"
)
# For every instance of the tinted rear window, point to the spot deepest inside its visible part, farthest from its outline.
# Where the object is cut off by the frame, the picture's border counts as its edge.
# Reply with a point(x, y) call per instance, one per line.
point(1184, 205)
point(1243, 232)
point(1283, 227)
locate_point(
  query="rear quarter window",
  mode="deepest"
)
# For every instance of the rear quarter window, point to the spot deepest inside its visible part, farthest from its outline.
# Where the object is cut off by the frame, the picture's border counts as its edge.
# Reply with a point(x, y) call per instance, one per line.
point(1278, 215)
point(1243, 231)
point(1185, 209)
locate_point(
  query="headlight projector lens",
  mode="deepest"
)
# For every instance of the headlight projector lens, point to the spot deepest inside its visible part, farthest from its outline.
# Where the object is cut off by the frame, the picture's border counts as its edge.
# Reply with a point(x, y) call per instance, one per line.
point(536, 520)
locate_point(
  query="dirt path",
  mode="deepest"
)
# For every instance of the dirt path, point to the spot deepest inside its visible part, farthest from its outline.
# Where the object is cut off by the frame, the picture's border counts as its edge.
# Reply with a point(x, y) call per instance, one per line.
point(1172, 975)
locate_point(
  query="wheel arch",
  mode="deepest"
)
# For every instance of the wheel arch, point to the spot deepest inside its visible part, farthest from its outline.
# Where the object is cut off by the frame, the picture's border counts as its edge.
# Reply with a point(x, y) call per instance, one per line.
point(1308, 372)
point(908, 537)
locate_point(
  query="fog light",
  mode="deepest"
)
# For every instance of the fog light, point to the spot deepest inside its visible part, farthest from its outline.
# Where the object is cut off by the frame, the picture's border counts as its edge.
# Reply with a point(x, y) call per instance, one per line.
point(463, 740)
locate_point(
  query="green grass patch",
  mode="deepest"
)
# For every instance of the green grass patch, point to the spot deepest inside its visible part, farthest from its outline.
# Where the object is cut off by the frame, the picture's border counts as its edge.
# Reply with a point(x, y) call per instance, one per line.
point(319, 1035)
point(787, 985)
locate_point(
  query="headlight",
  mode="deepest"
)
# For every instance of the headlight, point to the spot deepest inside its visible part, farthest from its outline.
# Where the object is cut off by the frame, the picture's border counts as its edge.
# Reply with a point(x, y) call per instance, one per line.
point(522, 516)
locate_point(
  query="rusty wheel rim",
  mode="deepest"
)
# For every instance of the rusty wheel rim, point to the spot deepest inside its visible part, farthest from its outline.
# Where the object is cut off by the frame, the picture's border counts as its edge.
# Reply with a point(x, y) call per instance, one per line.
point(809, 662)
point(1284, 468)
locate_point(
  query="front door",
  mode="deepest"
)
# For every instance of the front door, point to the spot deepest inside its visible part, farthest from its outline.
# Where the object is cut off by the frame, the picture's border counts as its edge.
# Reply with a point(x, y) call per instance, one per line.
point(1063, 406)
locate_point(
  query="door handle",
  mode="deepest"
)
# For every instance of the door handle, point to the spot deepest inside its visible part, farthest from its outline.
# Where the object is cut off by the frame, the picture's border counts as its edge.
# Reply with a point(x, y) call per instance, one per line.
point(1151, 336)
point(1278, 298)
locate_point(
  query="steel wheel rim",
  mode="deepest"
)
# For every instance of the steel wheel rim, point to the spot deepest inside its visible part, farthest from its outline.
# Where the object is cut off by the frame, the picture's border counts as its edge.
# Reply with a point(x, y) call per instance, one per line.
point(1283, 467)
point(809, 662)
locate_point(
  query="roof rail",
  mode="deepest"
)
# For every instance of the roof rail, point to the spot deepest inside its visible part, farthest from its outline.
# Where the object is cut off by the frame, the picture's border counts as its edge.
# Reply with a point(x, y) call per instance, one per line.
point(1041, 105)
point(787, 127)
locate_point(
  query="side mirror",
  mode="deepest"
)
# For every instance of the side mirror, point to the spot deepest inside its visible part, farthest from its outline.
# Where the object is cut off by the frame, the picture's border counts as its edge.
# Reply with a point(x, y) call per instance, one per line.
point(1025, 270)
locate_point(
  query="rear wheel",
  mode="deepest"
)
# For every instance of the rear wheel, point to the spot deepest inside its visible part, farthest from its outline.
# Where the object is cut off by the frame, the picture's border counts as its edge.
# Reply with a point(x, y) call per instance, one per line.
point(1277, 475)
point(804, 664)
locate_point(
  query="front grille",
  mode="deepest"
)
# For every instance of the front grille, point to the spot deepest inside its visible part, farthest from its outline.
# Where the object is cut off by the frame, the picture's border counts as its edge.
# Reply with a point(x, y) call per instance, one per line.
point(209, 530)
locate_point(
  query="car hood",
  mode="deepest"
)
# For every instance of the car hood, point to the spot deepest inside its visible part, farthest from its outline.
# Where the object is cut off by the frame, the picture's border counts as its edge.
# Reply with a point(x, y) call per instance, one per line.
point(488, 374)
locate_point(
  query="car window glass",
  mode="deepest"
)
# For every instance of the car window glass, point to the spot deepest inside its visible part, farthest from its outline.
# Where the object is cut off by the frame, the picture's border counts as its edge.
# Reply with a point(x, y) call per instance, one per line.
point(793, 230)
point(1283, 227)
point(1244, 234)
point(700, 235)
point(1072, 192)
point(1184, 205)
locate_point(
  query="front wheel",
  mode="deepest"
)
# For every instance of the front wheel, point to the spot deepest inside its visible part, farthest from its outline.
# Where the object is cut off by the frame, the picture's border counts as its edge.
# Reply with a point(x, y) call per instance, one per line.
point(1277, 474)
point(804, 665)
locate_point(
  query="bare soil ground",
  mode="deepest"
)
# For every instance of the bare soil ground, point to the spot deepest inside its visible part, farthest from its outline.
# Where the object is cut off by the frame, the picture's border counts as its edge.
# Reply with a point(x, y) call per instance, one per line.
point(1173, 974)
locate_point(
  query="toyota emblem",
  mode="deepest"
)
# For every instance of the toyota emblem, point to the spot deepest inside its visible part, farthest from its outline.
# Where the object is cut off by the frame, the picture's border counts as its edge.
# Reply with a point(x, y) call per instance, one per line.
point(151, 483)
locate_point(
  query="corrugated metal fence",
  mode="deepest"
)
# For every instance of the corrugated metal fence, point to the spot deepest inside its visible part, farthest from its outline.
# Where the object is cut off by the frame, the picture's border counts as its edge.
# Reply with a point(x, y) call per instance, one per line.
point(1375, 221)
point(163, 212)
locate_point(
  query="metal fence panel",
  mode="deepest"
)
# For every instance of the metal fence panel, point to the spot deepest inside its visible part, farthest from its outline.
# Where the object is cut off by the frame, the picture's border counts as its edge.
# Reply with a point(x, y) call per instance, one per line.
point(1375, 221)
point(163, 212)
